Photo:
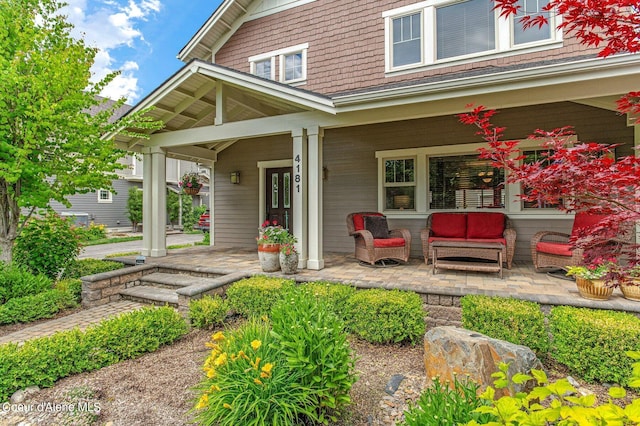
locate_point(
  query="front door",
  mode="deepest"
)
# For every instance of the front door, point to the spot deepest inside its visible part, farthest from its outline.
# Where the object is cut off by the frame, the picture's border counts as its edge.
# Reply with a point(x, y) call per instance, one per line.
point(279, 200)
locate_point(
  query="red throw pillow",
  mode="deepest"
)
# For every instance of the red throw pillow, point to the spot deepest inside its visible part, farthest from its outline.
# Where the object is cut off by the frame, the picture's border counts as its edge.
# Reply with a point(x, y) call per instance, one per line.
point(485, 225)
point(585, 220)
point(448, 225)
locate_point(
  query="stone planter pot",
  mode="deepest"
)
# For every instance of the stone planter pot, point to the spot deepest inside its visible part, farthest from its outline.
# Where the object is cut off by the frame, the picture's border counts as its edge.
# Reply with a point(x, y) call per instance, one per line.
point(268, 255)
point(631, 291)
point(289, 263)
point(593, 289)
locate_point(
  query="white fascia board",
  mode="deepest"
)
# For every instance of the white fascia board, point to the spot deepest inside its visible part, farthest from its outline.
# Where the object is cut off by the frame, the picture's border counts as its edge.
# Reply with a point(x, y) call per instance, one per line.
point(206, 27)
point(268, 88)
point(584, 70)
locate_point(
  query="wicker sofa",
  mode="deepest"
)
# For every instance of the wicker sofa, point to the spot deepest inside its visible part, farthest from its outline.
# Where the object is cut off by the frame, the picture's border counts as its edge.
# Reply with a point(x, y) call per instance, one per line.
point(480, 227)
point(396, 245)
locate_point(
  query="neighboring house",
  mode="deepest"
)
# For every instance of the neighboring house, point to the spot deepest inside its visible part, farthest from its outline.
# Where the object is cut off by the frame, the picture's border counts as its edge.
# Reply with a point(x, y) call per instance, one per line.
point(328, 107)
point(109, 206)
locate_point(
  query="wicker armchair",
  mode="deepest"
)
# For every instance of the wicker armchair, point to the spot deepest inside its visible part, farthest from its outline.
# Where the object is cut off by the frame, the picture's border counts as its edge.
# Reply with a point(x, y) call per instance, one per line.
point(370, 250)
point(550, 249)
point(509, 236)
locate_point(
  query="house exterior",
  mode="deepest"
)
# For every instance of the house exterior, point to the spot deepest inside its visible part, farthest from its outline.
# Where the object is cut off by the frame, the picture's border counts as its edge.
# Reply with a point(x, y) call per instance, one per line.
point(109, 206)
point(327, 107)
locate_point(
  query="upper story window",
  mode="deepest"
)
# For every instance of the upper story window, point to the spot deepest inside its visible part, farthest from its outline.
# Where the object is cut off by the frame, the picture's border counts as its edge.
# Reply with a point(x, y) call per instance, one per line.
point(291, 63)
point(446, 32)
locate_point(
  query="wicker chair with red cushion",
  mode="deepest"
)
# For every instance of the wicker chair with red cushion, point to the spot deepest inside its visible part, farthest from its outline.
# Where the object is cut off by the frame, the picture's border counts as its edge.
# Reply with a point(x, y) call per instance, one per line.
point(369, 249)
point(550, 249)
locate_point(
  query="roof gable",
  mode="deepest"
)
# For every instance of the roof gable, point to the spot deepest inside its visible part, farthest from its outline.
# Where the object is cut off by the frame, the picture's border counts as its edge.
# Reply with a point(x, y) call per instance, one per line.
point(225, 21)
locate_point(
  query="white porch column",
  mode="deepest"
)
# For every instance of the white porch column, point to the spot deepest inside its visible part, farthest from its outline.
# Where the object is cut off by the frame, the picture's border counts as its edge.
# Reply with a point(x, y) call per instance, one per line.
point(154, 203)
point(316, 258)
point(212, 193)
point(299, 184)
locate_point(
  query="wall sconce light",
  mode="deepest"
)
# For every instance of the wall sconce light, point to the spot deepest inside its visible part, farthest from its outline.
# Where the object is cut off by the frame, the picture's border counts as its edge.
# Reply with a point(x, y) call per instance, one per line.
point(235, 177)
point(325, 173)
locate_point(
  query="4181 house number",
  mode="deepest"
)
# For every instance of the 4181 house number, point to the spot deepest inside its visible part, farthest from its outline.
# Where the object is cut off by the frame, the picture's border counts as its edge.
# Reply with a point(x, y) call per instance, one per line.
point(297, 175)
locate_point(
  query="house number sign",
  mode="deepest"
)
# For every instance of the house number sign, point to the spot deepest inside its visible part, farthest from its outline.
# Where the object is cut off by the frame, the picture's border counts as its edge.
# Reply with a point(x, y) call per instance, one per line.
point(297, 172)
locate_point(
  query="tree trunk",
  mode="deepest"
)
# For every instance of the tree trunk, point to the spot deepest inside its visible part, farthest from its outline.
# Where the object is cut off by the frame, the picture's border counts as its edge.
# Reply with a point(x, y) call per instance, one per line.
point(6, 250)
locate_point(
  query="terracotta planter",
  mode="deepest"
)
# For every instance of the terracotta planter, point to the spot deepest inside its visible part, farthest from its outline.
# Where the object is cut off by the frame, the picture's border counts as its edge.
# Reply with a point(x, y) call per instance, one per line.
point(191, 191)
point(631, 291)
point(593, 289)
point(289, 263)
point(268, 255)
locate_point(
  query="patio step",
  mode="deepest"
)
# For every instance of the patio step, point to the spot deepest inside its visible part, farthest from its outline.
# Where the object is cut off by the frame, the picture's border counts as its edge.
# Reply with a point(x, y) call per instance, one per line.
point(171, 281)
point(151, 295)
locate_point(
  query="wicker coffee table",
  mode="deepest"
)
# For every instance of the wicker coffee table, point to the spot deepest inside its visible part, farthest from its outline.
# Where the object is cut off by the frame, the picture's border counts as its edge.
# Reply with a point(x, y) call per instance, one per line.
point(470, 250)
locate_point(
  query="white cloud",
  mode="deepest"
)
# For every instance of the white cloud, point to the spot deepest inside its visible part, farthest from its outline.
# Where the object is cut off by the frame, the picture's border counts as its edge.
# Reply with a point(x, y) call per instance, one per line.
point(109, 26)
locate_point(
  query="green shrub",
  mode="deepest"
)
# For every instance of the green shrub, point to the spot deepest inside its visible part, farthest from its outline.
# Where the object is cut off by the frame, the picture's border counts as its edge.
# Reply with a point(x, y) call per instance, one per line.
point(93, 232)
point(248, 382)
point(16, 281)
point(83, 267)
point(593, 342)
point(384, 316)
point(42, 361)
point(47, 245)
point(256, 295)
point(337, 295)
point(440, 405)
point(557, 403)
point(516, 321)
point(36, 306)
point(314, 341)
point(208, 311)
point(73, 286)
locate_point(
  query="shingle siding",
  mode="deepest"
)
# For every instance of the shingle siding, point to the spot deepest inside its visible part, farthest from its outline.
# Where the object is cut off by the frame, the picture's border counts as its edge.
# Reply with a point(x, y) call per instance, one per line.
point(346, 45)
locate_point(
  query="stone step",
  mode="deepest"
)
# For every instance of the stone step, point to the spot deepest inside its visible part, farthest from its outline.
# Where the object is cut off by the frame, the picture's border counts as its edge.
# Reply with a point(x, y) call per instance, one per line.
point(172, 281)
point(150, 295)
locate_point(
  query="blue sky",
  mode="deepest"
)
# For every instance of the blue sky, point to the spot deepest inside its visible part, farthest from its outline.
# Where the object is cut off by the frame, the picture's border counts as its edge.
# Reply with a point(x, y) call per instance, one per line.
point(139, 37)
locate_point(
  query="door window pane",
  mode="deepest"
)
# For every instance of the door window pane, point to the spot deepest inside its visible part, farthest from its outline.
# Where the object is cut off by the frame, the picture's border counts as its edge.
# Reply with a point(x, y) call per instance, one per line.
point(274, 190)
point(465, 28)
point(464, 182)
point(407, 35)
point(286, 183)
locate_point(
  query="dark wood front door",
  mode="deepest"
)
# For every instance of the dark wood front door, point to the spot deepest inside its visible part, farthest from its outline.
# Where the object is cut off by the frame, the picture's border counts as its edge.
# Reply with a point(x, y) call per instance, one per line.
point(279, 197)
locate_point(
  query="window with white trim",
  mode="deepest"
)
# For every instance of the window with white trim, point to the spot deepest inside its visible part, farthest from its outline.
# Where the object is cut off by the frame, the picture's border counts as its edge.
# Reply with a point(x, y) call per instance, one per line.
point(291, 63)
point(104, 196)
point(436, 32)
point(400, 184)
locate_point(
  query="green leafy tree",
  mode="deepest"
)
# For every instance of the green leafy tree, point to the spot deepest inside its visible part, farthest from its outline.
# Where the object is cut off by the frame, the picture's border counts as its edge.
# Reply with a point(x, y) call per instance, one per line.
point(52, 121)
point(134, 206)
point(173, 207)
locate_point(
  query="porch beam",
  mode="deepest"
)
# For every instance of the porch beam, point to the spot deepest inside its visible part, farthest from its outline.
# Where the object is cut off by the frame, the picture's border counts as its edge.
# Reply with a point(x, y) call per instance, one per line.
point(221, 103)
point(195, 153)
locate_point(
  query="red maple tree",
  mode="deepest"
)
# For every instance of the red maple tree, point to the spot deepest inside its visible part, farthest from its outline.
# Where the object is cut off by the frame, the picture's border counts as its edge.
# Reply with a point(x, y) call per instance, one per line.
point(579, 176)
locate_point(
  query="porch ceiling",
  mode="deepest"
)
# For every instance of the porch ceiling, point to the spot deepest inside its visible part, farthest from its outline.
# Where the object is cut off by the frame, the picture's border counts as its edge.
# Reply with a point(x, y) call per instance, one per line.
point(204, 94)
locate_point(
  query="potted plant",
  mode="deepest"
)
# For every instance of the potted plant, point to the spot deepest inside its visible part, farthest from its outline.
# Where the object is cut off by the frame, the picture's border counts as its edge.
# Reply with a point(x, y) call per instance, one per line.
point(630, 284)
point(271, 235)
point(288, 254)
point(190, 183)
point(594, 280)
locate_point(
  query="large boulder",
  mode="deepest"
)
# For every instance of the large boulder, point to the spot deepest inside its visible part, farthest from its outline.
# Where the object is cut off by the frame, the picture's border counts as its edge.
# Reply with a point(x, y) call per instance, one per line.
point(451, 351)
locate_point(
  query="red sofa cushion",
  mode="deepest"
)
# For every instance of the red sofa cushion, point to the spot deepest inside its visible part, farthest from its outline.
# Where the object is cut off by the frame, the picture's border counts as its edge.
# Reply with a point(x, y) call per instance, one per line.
point(358, 220)
point(485, 225)
point(585, 220)
point(448, 225)
point(558, 249)
point(432, 239)
point(388, 242)
point(473, 240)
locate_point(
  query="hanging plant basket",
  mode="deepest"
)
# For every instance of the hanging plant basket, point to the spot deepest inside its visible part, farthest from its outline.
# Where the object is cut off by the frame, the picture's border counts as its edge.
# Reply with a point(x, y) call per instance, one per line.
point(192, 191)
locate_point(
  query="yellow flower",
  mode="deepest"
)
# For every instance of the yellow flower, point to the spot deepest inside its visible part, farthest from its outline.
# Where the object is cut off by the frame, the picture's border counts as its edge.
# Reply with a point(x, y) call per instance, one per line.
point(256, 363)
point(257, 381)
point(211, 345)
point(217, 336)
point(241, 354)
point(256, 344)
point(221, 360)
point(214, 388)
point(266, 370)
point(202, 402)
point(225, 405)
point(211, 372)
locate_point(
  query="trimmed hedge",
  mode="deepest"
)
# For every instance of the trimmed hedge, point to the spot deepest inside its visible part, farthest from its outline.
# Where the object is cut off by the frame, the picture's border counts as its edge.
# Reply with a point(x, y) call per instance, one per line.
point(384, 316)
point(255, 296)
point(16, 281)
point(37, 306)
point(516, 321)
point(42, 361)
point(208, 311)
point(593, 342)
point(335, 295)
